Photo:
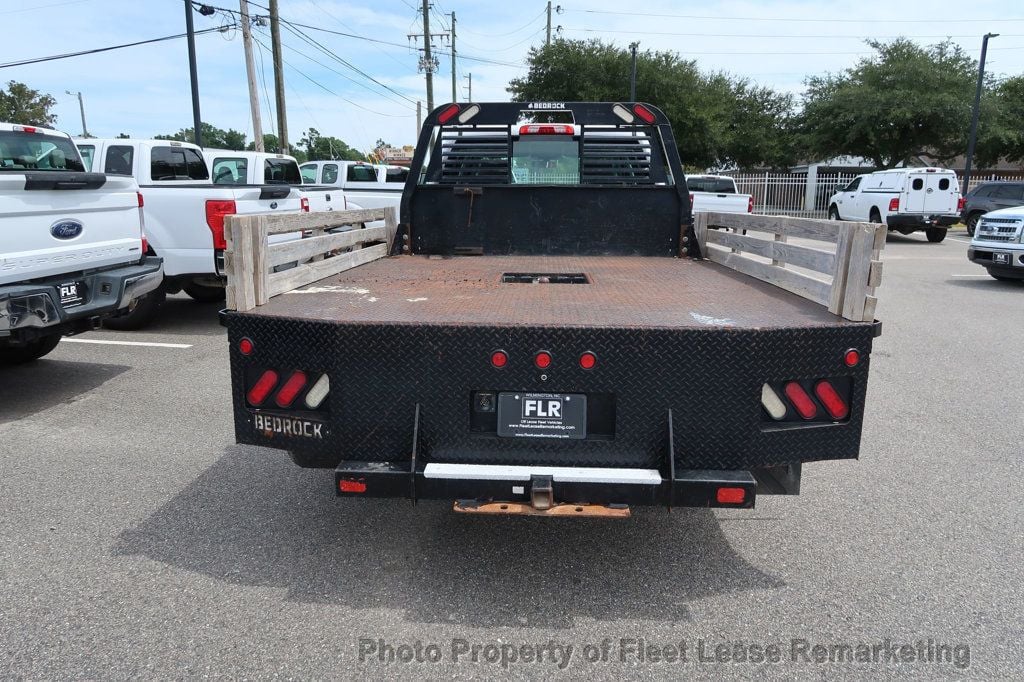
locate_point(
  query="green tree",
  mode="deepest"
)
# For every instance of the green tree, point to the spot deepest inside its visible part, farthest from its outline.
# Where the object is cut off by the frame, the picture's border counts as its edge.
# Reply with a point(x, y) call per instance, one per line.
point(904, 101)
point(213, 137)
point(1001, 124)
point(123, 136)
point(717, 120)
point(21, 104)
point(320, 147)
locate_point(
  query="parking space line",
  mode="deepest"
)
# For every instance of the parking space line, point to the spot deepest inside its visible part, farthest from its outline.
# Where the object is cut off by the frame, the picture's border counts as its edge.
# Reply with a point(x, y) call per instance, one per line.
point(962, 241)
point(150, 344)
point(971, 276)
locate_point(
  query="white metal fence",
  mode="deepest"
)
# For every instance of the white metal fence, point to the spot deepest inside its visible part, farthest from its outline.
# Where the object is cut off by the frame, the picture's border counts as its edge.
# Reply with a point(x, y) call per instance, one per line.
point(790, 193)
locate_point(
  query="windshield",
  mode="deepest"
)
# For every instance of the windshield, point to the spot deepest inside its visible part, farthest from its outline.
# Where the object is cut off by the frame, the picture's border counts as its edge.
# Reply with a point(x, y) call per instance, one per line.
point(697, 183)
point(20, 151)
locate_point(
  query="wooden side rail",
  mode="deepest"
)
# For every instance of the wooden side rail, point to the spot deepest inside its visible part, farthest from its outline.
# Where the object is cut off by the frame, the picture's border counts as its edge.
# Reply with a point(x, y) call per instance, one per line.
point(250, 258)
point(849, 257)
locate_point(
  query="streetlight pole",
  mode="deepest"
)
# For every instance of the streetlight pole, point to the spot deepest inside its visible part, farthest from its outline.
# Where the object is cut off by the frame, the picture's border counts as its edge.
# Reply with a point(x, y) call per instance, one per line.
point(632, 77)
point(81, 109)
point(196, 118)
point(973, 138)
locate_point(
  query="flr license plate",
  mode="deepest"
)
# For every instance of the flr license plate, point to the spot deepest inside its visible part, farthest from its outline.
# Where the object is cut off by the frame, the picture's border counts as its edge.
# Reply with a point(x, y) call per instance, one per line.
point(542, 415)
point(72, 293)
point(1001, 258)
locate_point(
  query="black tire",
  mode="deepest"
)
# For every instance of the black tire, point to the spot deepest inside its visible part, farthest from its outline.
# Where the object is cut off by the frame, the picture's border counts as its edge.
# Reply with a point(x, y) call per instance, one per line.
point(875, 216)
point(140, 313)
point(310, 461)
point(15, 355)
point(936, 234)
point(833, 213)
point(972, 222)
point(203, 293)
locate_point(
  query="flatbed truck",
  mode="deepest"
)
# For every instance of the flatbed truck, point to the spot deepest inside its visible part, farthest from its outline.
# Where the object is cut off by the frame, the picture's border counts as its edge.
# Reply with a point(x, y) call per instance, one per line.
point(545, 329)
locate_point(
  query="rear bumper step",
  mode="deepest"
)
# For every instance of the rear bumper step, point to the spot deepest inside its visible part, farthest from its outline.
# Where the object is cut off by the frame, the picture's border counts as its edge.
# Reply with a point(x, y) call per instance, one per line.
point(557, 485)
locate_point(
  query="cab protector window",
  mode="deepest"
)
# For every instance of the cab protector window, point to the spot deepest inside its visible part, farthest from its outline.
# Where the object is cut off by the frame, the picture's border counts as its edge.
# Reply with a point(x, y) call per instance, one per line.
point(281, 172)
point(546, 160)
point(177, 163)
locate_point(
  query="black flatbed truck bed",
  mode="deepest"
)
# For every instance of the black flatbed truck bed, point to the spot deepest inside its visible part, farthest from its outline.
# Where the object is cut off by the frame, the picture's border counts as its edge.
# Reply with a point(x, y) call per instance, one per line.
point(670, 406)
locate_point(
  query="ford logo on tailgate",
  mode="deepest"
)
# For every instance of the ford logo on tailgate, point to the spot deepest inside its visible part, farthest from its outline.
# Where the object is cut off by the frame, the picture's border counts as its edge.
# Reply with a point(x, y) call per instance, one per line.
point(66, 229)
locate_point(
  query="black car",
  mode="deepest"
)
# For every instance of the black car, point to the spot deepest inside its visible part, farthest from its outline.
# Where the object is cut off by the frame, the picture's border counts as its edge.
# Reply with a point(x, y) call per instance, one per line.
point(990, 196)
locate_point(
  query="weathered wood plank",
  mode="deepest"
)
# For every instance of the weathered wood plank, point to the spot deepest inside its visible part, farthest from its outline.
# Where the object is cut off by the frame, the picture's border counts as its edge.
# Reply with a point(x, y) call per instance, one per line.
point(286, 280)
point(794, 254)
point(391, 226)
point(700, 229)
point(875, 274)
point(258, 227)
point(858, 272)
point(795, 282)
point(303, 249)
point(238, 231)
point(807, 228)
point(282, 223)
point(835, 303)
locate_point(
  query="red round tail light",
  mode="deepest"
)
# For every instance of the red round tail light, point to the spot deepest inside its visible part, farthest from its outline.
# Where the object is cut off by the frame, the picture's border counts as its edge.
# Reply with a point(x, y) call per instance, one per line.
point(588, 360)
point(542, 359)
point(246, 347)
point(852, 357)
point(499, 358)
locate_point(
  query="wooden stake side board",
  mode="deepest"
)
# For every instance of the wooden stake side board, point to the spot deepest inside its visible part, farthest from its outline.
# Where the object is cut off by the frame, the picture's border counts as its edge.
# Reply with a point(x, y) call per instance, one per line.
point(843, 273)
point(250, 258)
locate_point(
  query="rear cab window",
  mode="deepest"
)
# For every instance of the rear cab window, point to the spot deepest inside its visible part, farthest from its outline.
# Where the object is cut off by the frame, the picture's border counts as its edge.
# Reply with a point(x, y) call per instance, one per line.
point(119, 159)
point(230, 171)
point(21, 151)
point(177, 163)
point(281, 172)
point(396, 175)
point(330, 173)
point(361, 173)
point(308, 173)
point(709, 184)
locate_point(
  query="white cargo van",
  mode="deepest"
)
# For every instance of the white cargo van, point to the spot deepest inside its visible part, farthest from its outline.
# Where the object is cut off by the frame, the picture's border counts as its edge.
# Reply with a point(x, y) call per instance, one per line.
point(906, 199)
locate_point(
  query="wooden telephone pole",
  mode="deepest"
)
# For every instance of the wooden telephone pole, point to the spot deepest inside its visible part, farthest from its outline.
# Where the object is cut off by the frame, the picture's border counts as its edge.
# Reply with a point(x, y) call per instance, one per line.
point(275, 40)
point(250, 72)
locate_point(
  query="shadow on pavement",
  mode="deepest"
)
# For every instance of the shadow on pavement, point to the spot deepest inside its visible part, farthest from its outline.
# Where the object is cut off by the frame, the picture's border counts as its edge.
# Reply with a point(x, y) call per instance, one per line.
point(987, 284)
point(181, 315)
point(254, 518)
point(52, 382)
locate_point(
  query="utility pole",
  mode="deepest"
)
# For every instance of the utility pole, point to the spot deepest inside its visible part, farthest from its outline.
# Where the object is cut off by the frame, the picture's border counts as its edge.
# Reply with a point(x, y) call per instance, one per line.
point(426, 55)
point(632, 78)
point(275, 43)
point(548, 42)
point(81, 108)
point(455, 96)
point(470, 77)
point(197, 122)
point(973, 138)
point(419, 118)
point(250, 72)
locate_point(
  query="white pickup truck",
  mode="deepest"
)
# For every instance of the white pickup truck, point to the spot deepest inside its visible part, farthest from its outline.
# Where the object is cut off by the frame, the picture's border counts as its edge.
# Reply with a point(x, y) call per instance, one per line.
point(905, 199)
point(368, 185)
point(998, 243)
point(717, 193)
point(263, 168)
point(184, 213)
point(72, 250)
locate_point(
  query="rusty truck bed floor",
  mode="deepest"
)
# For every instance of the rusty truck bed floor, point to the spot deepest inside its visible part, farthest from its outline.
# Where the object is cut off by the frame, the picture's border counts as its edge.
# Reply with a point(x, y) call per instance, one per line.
point(622, 292)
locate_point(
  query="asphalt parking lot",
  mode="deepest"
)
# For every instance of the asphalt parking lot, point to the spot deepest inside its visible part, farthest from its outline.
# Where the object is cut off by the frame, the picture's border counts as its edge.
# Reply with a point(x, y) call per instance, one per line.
point(136, 539)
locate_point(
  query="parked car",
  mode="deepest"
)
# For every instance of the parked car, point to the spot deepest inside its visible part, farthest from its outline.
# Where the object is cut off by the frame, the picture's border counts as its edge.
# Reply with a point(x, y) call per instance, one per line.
point(365, 184)
point(72, 249)
point(905, 199)
point(998, 243)
point(184, 213)
point(717, 193)
point(990, 196)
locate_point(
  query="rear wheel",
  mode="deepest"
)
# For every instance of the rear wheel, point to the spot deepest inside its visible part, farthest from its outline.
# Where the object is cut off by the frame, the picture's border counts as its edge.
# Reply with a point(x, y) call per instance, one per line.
point(203, 293)
point(875, 216)
point(140, 312)
point(936, 234)
point(833, 213)
point(972, 222)
point(13, 355)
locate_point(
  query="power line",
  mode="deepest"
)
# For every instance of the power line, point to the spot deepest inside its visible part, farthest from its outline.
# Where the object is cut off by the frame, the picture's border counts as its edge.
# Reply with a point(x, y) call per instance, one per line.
point(38, 60)
point(773, 35)
point(38, 7)
point(263, 78)
point(802, 20)
point(502, 35)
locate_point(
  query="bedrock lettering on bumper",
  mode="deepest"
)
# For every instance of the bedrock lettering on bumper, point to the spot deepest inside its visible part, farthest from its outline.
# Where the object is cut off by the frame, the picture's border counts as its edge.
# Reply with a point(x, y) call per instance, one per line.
point(639, 651)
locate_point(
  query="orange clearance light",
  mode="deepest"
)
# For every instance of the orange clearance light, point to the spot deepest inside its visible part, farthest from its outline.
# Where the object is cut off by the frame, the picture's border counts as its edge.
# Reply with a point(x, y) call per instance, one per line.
point(246, 347)
point(542, 359)
point(731, 495)
point(588, 360)
point(262, 388)
point(350, 486)
point(833, 402)
point(851, 357)
point(805, 407)
point(499, 358)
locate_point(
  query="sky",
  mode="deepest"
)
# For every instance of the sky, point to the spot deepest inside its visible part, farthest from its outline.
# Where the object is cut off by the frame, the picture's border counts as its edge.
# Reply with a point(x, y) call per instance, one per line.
point(144, 90)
